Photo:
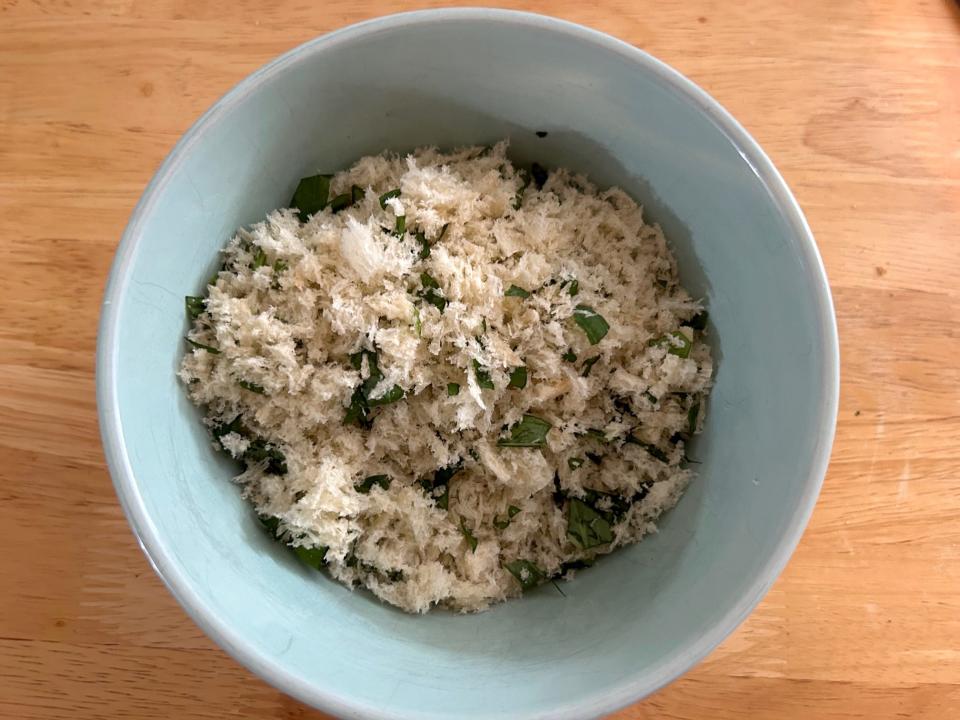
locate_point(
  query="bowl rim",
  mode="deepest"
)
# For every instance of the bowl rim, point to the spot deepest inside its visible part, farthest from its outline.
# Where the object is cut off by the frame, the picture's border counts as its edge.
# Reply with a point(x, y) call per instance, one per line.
point(167, 568)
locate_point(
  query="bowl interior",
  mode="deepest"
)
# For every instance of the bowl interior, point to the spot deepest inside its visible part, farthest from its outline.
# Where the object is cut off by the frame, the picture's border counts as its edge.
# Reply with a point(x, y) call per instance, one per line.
point(449, 78)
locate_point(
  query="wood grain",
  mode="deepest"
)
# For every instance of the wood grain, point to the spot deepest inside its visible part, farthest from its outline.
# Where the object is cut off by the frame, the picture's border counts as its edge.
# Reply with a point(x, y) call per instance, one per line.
point(857, 102)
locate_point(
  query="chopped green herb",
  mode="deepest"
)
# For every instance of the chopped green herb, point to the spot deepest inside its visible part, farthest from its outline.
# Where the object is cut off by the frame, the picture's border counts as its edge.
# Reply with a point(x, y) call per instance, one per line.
point(270, 523)
point(221, 429)
point(259, 258)
point(345, 200)
point(588, 365)
point(526, 573)
point(574, 288)
point(453, 389)
point(524, 183)
point(677, 343)
point(356, 193)
point(652, 449)
point(438, 487)
point(518, 378)
point(693, 415)
point(201, 346)
point(431, 292)
point(698, 321)
point(483, 325)
point(516, 291)
point(574, 462)
point(512, 510)
point(443, 231)
point(195, 306)
point(598, 435)
point(314, 557)
point(474, 454)
point(390, 396)
point(259, 451)
point(400, 227)
point(361, 401)
point(569, 356)
point(651, 397)
point(482, 375)
point(468, 536)
point(387, 196)
point(586, 528)
point(612, 506)
point(424, 244)
point(365, 485)
point(311, 196)
point(531, 431)
point(591, 322)
point(539, 175)
point(504, 523)
point(417, 324)
point(280, 266)
point(252, 387)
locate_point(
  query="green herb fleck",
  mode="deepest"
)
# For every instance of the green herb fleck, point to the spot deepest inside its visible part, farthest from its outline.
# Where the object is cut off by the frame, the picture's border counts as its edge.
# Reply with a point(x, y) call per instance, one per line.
point(586, 528)
point(518, 378)
point(482, 375)
point(652, 449)
point(201, 346)
point(443, 231)
point(387, 196)
point(314, 557)
point(270, 523)
point(260, 451)
point(516, 291)
point(569, 356)
point(259, 258)
point(417, 323)
point(252, 387)
point(504, 523)
point(311, 196)
point(424, 244)
point(693, 415)
point(676, 342)
point(431, 292)
point(361, 401)
point(345, 200)
point(438, 487)
point(531, 431)
point(526, 573)
point(400, 227)
point(574, 462)
point(588, 365)
point(365, 485)
point(390, 396)
point(453, 389)
point(468, 536)
point(591, 322)
point(574, 288)
point(195, 306)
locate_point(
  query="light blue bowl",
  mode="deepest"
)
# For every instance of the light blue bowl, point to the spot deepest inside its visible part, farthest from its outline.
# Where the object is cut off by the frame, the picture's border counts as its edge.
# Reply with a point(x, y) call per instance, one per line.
point(639, 618)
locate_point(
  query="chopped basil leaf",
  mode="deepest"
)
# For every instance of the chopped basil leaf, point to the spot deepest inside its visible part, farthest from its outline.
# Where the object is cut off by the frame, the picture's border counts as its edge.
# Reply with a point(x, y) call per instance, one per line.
point(270, 523)
point(503, 524)
point(677, 343)
point(474, 454)
point(624, 406)
point(598, 435)
point(698, 321)
point(518, 377)
point(612, 506)
point(438, 487)
point(574, 288)
point(526, 573)
point(651, 397)
point(468, 536)
point(539, 174)
point(390, 396)
point(201, 346)
point(195, 306)
point(692, 415)
point(482, 375)
point(424, 244)
point(569, 356)
point(387, 196)
point(591, 322)
point(280, 266)
point(361, 402)
point(586, 528)
point(345, 200)
point(252, 387)
point(524, 183)
point(365, 485)
point(531, 431)
point(653, 450)
point(588, 365)
point(516, 291)
point(356, 193)
point(431, 292)
point(400, 227)
point(574, 462)
point(311, 196)
point(260, 450)
point(512, 511)
point(314, 557)
point(259, 258)
point(453, 389)
point(417, 324)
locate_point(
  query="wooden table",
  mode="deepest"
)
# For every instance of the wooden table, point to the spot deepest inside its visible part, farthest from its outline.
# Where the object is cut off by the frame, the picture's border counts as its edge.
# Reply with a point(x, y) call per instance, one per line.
point(857, 102)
